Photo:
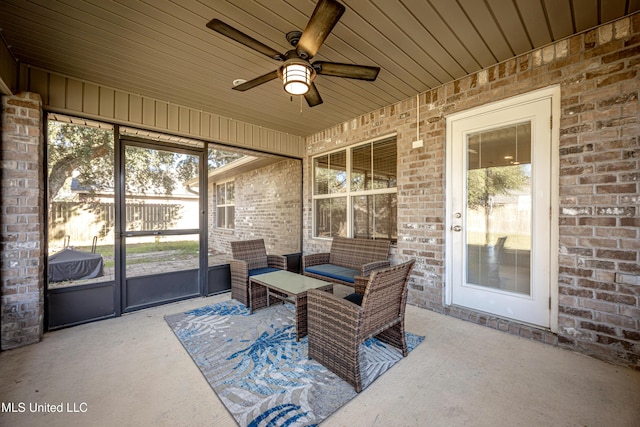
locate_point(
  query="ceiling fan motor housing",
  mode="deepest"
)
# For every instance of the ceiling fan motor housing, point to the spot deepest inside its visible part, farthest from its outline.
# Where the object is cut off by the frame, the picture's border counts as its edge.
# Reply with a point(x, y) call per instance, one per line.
point(293, 37)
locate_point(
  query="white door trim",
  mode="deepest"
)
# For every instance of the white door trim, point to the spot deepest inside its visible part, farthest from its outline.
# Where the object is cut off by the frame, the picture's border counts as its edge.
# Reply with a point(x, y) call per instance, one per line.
point(552, 93)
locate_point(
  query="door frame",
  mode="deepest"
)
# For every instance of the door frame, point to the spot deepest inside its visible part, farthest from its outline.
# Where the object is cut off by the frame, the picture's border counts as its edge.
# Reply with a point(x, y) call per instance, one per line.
point(553, 94)
point(121, 233)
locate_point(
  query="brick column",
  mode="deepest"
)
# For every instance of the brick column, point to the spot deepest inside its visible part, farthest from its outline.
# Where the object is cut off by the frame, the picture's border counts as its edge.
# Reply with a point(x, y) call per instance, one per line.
point(22, 221)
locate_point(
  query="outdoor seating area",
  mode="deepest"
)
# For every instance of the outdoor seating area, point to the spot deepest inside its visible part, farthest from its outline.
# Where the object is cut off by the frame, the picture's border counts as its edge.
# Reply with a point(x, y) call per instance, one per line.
point(376, 309)
point(258, 278)
point(348, 258)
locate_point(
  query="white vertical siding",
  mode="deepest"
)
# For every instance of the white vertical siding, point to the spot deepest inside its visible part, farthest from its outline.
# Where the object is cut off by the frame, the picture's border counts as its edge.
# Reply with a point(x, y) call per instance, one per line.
point(75, 97)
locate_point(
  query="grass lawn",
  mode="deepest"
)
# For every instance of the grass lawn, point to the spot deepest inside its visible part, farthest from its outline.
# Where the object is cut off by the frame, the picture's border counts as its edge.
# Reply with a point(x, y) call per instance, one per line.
point(141, 253)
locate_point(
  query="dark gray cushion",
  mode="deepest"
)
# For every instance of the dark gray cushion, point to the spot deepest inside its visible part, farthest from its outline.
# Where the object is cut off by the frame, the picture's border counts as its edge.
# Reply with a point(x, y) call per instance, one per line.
point(262, 270)
point(334, 271)
point(354, 298)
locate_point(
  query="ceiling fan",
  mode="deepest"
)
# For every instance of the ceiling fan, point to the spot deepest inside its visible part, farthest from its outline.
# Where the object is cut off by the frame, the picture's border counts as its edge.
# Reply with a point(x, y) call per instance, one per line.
point(296, 71)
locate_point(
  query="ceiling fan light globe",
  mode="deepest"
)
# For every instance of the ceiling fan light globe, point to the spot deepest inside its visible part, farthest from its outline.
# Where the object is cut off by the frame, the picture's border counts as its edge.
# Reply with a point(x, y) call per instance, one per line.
point(296, 78)
point(296, 88)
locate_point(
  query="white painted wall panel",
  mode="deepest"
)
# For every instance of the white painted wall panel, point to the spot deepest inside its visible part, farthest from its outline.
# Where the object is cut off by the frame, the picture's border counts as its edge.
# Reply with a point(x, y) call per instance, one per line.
point(172, 118)
point(91, 99)
point(122, 106)
point(148, 112)
point(74, 95)
point(107, 103)
point(39, 80)
point(161, 115)
point(135, 109)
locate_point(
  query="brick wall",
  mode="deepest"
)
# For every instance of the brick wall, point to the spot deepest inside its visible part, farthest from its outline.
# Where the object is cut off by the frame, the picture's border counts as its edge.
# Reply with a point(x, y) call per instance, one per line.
point(599, 220)
point(267, 206)
point(22, 221)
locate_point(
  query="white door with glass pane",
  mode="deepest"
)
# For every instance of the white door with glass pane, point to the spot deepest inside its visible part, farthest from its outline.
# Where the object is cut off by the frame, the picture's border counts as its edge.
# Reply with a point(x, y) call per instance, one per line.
point(499, 196)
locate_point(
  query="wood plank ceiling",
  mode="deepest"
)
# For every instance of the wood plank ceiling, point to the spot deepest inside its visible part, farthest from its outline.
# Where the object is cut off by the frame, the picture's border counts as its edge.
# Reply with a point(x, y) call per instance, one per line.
point(162, 48)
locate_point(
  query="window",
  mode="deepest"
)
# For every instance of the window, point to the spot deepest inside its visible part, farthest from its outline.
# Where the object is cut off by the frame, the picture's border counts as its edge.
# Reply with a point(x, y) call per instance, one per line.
point(225, 205)
point(355, 191)
point(80, 202)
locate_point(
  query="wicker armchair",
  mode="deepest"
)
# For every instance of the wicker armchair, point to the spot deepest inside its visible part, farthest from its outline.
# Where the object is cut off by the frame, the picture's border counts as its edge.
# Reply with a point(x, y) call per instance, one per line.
point(250, 258)
point(337, 327)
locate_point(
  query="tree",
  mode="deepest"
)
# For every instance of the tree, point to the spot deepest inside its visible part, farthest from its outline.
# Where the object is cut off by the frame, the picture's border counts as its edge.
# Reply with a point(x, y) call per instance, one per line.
point(80, 151)
point(484, 184)
point(87, 154)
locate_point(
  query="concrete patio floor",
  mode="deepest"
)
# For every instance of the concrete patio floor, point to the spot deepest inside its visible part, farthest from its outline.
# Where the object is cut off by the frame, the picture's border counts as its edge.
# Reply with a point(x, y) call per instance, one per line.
point(132, 371)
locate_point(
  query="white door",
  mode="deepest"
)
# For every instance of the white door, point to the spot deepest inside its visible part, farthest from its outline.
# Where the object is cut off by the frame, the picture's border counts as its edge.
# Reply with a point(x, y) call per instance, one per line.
point(499, 209)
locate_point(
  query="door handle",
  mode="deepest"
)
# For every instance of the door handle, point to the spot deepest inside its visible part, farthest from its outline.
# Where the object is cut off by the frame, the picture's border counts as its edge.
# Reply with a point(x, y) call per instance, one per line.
point(456, 228)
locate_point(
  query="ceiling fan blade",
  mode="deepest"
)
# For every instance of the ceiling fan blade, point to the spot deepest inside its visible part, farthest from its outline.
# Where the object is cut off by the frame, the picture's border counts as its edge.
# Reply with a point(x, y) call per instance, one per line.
point(325, 16)
point(313, 96)
point(257, 81)
point(237, 35)
point(350, 71)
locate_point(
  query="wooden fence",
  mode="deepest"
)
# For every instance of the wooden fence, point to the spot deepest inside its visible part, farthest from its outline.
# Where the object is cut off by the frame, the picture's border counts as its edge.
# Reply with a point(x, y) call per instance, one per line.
point(81, 221)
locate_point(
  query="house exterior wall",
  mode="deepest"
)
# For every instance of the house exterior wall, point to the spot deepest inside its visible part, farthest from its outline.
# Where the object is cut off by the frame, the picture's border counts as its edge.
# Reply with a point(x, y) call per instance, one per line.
point(22, 221)
point(599, 201)
point(267, 206)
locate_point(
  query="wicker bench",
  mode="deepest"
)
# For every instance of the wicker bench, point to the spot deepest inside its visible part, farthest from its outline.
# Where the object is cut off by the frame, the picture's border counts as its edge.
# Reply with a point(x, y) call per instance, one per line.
point(347, 258)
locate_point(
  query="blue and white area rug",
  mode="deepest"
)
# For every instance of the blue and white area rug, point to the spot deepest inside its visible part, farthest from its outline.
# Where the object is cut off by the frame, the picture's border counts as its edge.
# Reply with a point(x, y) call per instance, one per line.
point(261, 374)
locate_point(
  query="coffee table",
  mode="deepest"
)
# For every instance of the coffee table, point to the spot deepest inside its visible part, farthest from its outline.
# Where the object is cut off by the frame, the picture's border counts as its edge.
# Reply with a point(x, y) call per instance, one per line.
point(286, 286)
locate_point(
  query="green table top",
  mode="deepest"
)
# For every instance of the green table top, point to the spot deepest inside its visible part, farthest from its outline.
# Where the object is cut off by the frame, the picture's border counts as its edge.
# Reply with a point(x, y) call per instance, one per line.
point(288, 282)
